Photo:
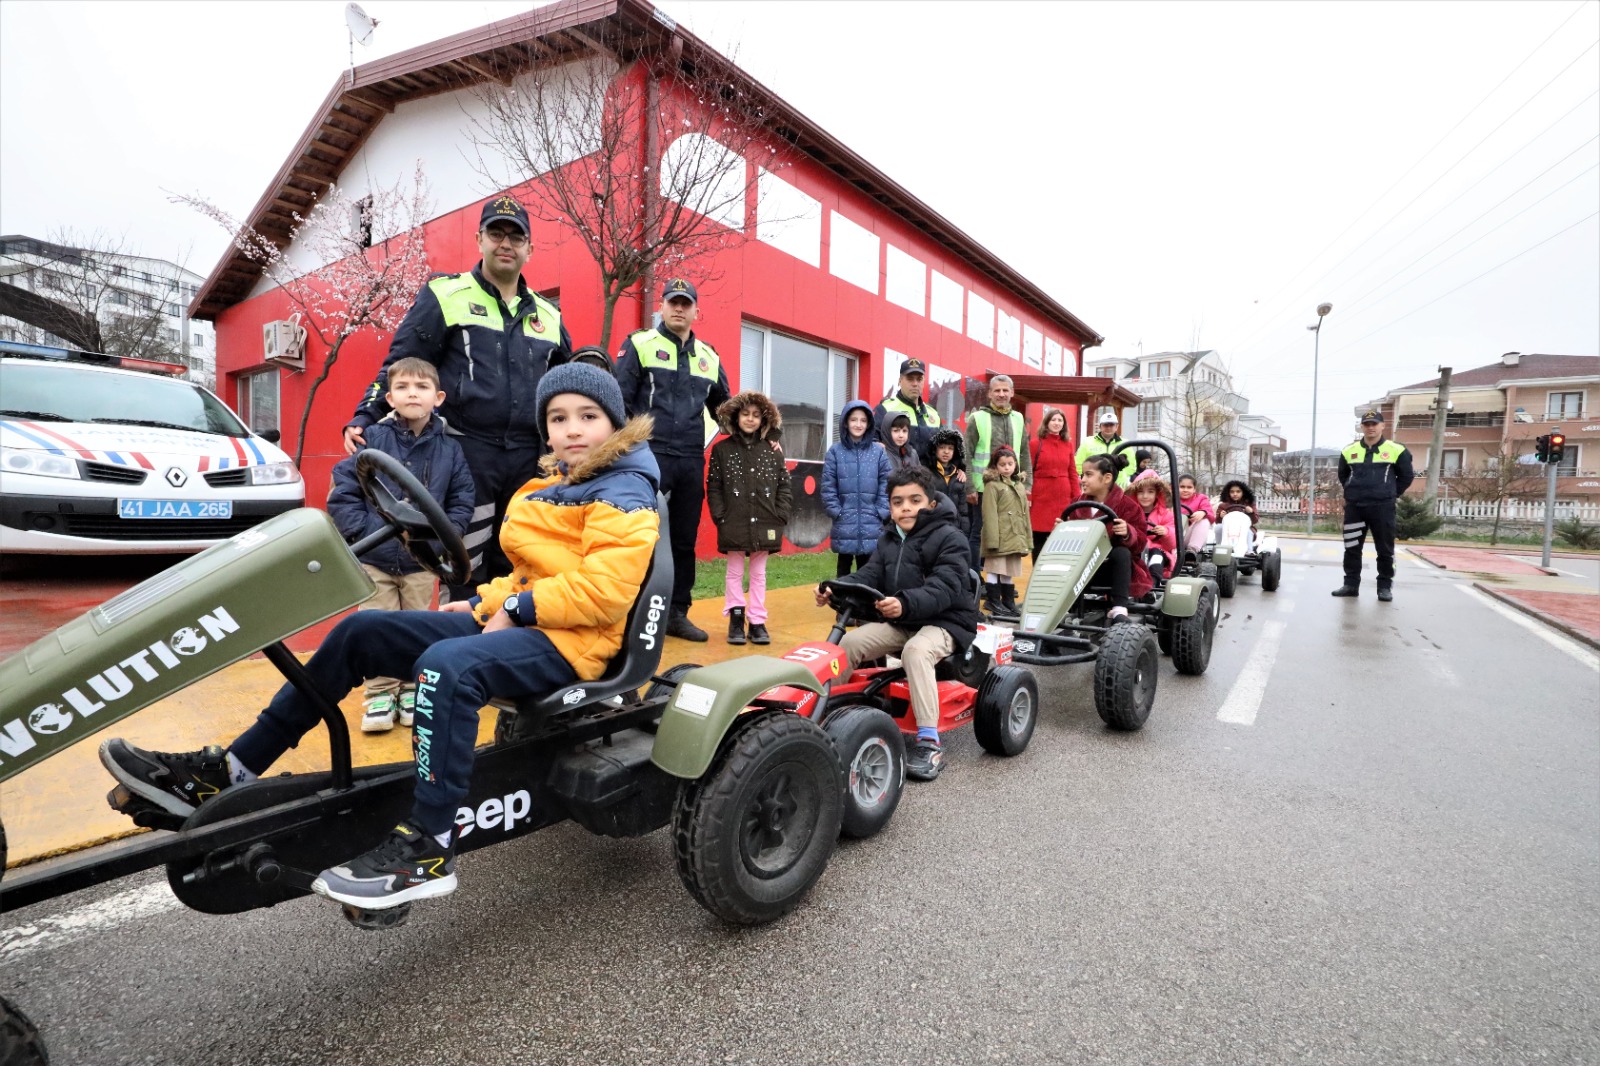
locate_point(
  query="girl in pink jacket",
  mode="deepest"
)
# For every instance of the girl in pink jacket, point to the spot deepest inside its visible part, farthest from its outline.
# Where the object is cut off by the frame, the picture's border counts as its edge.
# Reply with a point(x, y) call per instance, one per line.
point(1156, 499)
point(1199, 515)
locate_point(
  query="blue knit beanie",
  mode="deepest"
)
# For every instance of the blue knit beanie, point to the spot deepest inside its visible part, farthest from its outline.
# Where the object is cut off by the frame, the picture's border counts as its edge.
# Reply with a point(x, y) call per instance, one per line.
point(585, 380)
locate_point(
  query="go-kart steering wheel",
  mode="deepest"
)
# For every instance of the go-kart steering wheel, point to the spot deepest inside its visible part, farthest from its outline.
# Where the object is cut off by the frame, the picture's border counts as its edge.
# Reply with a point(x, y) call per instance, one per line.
point(860, 600)
point(1107, 515)
point(419, 519)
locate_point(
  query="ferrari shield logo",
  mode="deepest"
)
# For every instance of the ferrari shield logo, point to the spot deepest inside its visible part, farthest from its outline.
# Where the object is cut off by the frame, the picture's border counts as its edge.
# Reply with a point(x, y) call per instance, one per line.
point(535, 326)
point(834, 666)
point(705, 364)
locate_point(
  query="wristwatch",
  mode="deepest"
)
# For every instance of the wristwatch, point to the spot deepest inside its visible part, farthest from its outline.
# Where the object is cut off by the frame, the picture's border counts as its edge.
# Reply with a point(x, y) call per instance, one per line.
point(513, 609)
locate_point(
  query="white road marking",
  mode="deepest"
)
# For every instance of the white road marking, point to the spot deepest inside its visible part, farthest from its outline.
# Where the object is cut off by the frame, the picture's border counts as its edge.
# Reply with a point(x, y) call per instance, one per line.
point(1244, 698)
point(1539, 629)
point(58, 930)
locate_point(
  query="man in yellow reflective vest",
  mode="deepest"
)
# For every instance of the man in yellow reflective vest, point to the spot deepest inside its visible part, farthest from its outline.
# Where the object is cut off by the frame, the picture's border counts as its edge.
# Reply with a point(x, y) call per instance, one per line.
point(908, 401)
point(674, 377)
point(1105, 443)
point(1374, 472)
point(988, 427)
point(492, 340)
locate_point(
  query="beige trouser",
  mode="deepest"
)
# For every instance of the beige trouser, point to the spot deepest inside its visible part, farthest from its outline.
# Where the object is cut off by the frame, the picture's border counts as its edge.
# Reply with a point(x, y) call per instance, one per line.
point(408, 592)
point(919, 652)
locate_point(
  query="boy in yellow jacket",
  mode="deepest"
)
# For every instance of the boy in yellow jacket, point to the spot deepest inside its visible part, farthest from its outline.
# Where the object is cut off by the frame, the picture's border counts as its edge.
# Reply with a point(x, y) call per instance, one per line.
point(580, 540)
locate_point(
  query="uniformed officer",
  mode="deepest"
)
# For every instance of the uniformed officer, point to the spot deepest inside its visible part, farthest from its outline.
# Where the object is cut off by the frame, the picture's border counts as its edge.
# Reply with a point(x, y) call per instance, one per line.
point(908, 401)
point(673, 376)
point(1105, 443)
point(492, 340)
point(1374, 472)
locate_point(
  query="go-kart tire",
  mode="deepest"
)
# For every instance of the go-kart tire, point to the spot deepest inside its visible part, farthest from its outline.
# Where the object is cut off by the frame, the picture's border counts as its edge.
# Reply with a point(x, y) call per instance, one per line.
point(1271, 571)
point(1207, 570)
point(874, 754)
point(1192, 636)
point(756, 831)
point(1007, 711)
point(1125, 676)
point(20, 1042)
point(656, 688)
point(1164, 636)
point(1227, 580)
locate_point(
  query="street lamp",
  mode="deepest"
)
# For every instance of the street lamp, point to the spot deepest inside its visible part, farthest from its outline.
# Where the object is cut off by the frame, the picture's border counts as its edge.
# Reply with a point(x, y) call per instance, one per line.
point(1316, 353)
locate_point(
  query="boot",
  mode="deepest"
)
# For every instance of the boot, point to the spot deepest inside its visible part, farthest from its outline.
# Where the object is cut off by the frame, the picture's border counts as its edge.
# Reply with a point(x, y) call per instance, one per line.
point(1347, 590)
point(991, 597)
point(736, 626)
point(759, 634)
point(1008, 601)
point(678, 625)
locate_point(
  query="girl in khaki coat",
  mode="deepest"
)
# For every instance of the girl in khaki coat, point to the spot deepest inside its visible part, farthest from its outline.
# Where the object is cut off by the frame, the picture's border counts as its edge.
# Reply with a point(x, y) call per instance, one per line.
point(1007, 532)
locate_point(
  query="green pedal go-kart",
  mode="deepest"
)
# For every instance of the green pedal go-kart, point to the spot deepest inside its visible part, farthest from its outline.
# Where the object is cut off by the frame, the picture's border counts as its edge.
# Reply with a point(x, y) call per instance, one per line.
point(1064, 619)
point(754, 799)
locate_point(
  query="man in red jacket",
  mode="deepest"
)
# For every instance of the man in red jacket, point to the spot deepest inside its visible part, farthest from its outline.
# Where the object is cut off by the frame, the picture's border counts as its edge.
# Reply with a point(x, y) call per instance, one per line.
point(1124, 571)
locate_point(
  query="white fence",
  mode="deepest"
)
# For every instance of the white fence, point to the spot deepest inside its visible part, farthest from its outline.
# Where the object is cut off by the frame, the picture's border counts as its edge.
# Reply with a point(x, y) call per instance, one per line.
point(1510, 510)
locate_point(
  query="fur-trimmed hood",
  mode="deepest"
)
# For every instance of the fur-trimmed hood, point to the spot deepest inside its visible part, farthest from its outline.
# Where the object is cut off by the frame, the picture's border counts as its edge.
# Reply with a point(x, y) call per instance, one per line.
point(1149, 477)
point(613, 449)
point(1248, 496)
point(728, 413)
point(946, 435)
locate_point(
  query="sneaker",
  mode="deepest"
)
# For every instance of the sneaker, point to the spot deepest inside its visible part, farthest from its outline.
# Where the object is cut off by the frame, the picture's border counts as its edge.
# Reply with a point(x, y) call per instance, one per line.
point(679, 626)
point(378, 714)
point(924, 759)
point(735, 626)
point(1117, 614)
point(408, 866)
point(407, 707)
point(759, 634)
point(1347, 590)
point(175, 782)
point(1385, 595)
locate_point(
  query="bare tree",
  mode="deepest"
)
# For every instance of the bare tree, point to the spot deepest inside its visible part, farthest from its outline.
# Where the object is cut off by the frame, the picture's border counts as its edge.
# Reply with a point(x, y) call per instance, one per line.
point(1291, 475)
point(372, 262)
point(1497, 479)
point(92, 293)
point(650, 163)
point(1207, 421)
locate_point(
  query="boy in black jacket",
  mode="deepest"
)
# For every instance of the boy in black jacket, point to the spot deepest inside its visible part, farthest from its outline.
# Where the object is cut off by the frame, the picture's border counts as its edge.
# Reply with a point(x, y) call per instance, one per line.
point(947, 459)
point(920, 566)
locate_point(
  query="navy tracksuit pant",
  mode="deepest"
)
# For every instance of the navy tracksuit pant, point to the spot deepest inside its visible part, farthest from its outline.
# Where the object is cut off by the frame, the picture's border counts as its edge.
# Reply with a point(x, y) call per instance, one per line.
point(1359, 518)
point(683, 479)
point(498, 471)
point(457, 667)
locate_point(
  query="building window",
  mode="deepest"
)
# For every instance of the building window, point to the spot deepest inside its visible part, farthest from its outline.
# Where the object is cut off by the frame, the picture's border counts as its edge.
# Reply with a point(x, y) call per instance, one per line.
point(198, 340)
point(810, 383)
point(1568, 466)
point(1453, 459)
point(174, 336)
point(119, 297)
point(1150, 415)
point(361, 221)
point(258, 399)
point(1564, 405)
point(1163, 369)
point(1105, 371)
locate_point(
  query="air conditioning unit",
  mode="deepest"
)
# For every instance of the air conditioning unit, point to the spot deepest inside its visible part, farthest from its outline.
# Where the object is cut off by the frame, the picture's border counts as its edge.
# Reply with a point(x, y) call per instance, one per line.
point(283, 343)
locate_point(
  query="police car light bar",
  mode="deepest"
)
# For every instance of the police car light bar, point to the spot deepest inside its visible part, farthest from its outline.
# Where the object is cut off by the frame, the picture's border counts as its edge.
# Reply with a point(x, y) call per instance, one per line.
point(43, 351)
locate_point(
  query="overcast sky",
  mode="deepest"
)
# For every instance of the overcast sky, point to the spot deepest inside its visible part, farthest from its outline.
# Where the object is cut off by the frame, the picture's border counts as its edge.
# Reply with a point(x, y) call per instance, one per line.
point(1175, 174)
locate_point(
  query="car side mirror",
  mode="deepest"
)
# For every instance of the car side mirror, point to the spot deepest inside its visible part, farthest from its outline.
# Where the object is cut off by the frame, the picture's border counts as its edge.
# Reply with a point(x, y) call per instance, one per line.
point(271, 436)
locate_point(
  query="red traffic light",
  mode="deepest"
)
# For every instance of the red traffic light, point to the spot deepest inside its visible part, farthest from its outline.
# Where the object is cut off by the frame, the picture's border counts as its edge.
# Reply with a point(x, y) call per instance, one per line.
point(1556, 447)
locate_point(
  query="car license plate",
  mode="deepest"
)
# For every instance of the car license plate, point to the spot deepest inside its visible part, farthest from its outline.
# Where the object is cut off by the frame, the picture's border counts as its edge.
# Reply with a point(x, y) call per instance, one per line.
point(179, 509)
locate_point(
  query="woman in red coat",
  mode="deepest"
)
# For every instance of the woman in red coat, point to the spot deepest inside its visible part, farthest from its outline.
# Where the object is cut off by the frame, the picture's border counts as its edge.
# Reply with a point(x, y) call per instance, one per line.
point(1055, 476)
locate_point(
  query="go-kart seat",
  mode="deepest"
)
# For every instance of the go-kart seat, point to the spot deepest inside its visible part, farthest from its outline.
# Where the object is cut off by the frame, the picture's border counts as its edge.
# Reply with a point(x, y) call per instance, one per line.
point(969, 666)
point(640, 654)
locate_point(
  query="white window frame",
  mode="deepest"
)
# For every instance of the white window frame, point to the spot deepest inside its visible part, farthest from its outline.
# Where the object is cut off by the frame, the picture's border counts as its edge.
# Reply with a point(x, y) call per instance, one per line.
point(1552, 414)
point(248, 383)
point(834, 403)
point(1160, 368)
point(1149, 416)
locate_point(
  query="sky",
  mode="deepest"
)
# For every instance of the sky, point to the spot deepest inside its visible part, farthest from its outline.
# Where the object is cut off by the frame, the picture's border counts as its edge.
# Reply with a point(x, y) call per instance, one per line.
point(1180, 176)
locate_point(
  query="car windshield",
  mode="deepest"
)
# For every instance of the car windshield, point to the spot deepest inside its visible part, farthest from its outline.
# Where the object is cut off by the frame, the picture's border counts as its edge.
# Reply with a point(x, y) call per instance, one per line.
point(74, 394)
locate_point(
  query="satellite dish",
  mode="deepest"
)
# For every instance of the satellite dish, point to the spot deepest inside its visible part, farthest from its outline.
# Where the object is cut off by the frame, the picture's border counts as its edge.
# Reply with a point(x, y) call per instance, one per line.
point(361, 24)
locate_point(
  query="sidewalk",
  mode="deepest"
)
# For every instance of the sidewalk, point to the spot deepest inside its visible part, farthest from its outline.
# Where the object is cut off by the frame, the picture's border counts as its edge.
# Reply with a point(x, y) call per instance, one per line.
point(59, 805)
point(1562, 604)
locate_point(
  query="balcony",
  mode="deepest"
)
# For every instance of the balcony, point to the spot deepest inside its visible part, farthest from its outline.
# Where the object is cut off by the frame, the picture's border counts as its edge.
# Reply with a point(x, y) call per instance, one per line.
point(1483, 419)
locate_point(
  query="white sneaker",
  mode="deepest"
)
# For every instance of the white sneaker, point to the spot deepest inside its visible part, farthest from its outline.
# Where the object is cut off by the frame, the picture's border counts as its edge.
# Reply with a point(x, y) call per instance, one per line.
point(378, 714)
point(407, 706)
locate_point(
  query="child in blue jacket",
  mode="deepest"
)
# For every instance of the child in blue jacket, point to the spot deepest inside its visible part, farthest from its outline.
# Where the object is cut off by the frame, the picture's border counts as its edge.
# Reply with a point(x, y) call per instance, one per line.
point(413, 435)
point(855, 473)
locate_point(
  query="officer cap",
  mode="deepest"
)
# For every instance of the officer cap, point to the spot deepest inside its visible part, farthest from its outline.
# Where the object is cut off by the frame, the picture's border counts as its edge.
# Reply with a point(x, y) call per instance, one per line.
point(1371, 414)
point(913, 366)
point(1109, 418)
point(678, 288)
point(505, 209)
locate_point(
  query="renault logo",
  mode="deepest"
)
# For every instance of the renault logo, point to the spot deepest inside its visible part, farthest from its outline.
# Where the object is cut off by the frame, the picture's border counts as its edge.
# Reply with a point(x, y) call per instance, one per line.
point(176, 477)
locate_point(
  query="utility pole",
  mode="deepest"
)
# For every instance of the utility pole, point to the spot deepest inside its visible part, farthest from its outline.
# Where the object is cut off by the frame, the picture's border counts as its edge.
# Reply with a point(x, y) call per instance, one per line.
point(1441, 416)
point(1549, 512)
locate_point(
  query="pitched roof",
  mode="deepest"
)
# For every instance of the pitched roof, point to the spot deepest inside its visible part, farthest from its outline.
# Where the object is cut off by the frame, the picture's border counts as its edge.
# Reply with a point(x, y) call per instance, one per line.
point(1529, 368)
point(361, 98)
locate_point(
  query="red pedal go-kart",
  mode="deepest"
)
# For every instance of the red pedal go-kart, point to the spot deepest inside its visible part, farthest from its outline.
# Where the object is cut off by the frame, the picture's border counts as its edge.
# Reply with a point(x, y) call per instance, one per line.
point(867, 711)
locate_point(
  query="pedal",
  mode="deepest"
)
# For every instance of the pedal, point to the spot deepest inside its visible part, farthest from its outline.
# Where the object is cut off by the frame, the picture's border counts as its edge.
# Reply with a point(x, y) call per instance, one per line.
point(145, 814)
point(388, 918)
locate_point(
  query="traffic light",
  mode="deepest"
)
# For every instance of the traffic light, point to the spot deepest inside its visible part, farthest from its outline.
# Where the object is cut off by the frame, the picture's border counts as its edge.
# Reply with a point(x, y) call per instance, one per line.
point(1555, 446)
point(1541, 448)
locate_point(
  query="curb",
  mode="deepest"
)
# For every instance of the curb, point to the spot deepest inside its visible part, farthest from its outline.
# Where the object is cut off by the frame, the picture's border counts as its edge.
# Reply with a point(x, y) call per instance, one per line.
point(1533, 612)
point(1417, 554)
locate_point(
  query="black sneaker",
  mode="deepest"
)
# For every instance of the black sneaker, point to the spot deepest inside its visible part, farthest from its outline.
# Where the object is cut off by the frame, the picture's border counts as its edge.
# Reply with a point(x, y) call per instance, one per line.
point(759, 634)
point(924, 759)
point(409, 866)
point(679, 626)
point(175, 782)
point(1347, 590)
point(1385, 595)
point(735, 626)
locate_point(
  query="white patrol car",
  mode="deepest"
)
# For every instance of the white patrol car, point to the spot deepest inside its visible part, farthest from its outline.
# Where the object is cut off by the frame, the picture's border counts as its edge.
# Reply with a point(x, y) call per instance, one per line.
point(99, 460)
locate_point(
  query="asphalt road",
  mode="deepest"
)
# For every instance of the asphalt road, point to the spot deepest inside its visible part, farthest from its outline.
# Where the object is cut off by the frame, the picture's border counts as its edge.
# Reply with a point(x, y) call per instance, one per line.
point(1395, 861)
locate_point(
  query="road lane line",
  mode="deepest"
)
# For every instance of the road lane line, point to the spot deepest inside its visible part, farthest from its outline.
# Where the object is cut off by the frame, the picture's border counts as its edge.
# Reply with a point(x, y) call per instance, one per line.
point(1539, 629)
point(58, 930)
point(1244, 698)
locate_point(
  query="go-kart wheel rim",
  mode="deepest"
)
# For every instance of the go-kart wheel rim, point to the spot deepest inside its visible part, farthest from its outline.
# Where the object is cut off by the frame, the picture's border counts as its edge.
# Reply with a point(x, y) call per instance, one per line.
point(1020, 713)
point(871, 773)
point(774, 830)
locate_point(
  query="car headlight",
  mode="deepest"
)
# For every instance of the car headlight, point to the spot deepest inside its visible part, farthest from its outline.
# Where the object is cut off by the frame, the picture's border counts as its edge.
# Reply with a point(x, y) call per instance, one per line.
point(274, 474)
point(40, 464)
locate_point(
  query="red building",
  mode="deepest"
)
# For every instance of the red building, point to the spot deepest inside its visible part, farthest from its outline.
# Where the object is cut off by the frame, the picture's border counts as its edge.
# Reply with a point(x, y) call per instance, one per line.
point(833, 275)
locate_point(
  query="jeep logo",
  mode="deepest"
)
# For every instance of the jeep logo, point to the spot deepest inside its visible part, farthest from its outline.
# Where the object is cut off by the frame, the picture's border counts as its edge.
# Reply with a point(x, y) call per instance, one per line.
point(652, 621)
point(502, 812)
